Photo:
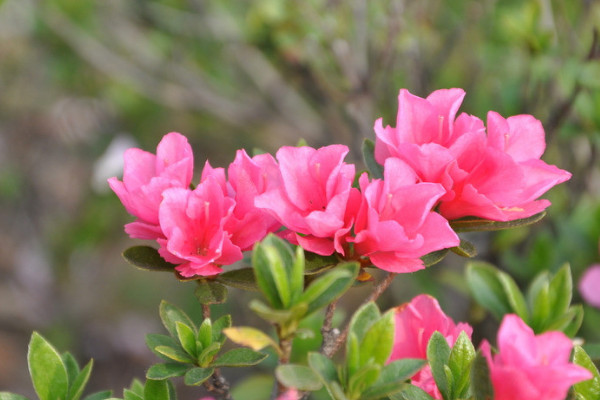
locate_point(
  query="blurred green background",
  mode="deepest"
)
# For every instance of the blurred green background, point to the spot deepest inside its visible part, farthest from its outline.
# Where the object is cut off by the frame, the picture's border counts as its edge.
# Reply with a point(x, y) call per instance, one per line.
point(81, 80)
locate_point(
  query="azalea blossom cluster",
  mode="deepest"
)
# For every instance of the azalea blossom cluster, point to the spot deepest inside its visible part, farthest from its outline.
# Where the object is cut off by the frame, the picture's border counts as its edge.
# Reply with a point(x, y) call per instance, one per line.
point(526, 367)
point(436, 167)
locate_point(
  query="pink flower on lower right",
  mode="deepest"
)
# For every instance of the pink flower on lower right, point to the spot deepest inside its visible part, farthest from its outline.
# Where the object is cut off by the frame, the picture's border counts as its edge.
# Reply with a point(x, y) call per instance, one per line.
point(529, 366)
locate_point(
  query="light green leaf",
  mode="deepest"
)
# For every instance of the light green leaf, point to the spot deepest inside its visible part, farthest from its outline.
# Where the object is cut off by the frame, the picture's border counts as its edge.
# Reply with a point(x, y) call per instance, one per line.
point(323, 366)
point(461, 357)
point(205, 333)
point(48, 373)
point(166, 370)
point(561, 291)
point(170, 314)
point(208, 354)
point(78, 384)
point(240, 279)
point(129, 395)
point(147, 258)
point(218, 326)
point(211, 292)
point(352, 354)
point(137, 387)
point(362, 379)
point(589, 389)
point(363, 318)
point(514, 296)
point(270, 314)
point(187, 338)
point(328, 287)
point(298, 376)
point(487, 288)
point(255, 387)
point(541, 309)
point(153, 340)
point(197, 376)
point(296, 275)
point(240, 357)
point(71, 366)
point(175, 353)
point(102, 395)
point(11, 396)
point(392, 378)
point(262, 270)
point(378, 341)
point(438, 355)
point(411, 392)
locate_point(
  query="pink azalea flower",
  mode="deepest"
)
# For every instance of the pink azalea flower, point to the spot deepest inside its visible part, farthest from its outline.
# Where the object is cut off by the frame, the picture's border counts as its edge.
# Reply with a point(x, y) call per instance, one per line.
point(496, 176)
point(415, 323)
point(589, 285)
point(314, 197)
point(395, 225)
point(530, 367)
point(193, 223)
point(146, 176)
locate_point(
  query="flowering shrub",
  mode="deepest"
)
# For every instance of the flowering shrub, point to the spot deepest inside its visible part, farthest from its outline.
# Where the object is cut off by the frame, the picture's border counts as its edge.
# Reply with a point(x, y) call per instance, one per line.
point(315, 228)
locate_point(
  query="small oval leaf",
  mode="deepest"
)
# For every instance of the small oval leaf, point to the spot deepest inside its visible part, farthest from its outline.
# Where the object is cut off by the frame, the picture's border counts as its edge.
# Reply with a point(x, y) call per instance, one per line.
point(147, 258)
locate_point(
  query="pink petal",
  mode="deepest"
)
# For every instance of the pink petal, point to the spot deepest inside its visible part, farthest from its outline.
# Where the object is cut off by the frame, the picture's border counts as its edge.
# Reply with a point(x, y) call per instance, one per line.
point(589, 285)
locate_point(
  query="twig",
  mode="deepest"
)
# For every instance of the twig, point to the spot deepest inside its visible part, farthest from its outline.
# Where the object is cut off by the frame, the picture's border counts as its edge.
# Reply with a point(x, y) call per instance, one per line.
point(218, 385)
point(379, 289)
point(327, 332)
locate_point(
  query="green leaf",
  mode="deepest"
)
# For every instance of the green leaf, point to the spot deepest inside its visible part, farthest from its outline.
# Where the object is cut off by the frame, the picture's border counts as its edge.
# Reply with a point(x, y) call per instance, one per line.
point(170, 314)
point(208, 354)
point(137, 387)
point(472, 224)
point(153, 340)
point(255, 387)
point(129, 395)
point(71, 366)
point(327, 288)
point(218, 326)
point(147, 258)
point(197, 376)
point(102, 395)
point(323, 366)
point(481, 383)
point(589, 389)
point(540, 314)
point(465, 249)
point(240, 357)
point(270, 314)
point(392, 378)
point(411, 392)
point(296, 275)
point(261, 262)
point(11, 396)
point(362, 379)
point(438, 355)
point(315, 263)
point(561, 291)
point(368, 152)
point(298, 376)
point(240, 279)
point(250, 337)
point(460, 360)
point(211, 292)
point(166, 370)
point(205, 333)
point(514, 296)
point(78, 384)
point(187, 338)
point(352, 354)
point(593, 350)
point(363, 318)
point(378, 341)
point(434, 257)
point(487, 288)
point(175, 353)
point(569, 322)
point(157, 390)
point(48, 373)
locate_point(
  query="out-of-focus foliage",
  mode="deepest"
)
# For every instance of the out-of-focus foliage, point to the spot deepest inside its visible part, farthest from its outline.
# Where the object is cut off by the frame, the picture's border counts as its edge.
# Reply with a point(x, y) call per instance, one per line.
point(82, 79)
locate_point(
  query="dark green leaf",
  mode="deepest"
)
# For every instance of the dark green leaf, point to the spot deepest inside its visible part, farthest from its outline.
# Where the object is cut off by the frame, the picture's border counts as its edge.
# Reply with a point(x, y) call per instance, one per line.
point(561, 291)
point(481, 383)
point(438, 355)
point(187, 338)
point(170, 314)
point(434, 257)
point(368, 152)
point(205, 333)
point(153, 340)
point(175, 353)
point(393, 377)
point(323, 366)
point(315, 263)
point(166, 370)
point(296, 275)
point(589, 389)
point(102, 395)
point(71, 366)
point(362, 379)
point(218, 326)
point(48, 373)
point(211, 292)
point(240, 279)
point(514, 296)
point(465, 249)
point(157, 390)
point(298, 376)
point(411, 392)
point(78, 384)
point(471, 224)
point(147, 258)
point(197, 376)
point(540, 314)
point(487, 289)
point(593, 350)
point(261, 261)
point(208, 354)
point(569, 322)
point(240, 357)
point(378, 341)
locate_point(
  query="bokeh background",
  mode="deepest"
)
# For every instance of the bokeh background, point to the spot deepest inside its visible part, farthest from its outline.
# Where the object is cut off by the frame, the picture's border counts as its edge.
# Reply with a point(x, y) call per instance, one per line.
point(82, 80)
